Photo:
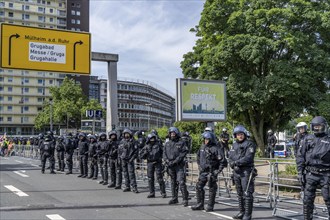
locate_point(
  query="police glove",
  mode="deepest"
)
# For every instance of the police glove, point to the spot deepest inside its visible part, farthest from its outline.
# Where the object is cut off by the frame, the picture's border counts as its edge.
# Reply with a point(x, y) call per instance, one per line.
point(232, 164)
point(301, 179)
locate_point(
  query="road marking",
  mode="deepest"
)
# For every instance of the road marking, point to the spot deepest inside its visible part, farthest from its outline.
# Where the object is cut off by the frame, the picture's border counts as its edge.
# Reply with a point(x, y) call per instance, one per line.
point(16, 191)
point(21, 174)
point(220, 215)
point(55, 217)
point(19, 161)
point(34, 165)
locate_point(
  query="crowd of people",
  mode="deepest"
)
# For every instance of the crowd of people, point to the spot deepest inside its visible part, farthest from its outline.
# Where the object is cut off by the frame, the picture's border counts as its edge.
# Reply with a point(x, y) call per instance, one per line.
point(119, 154)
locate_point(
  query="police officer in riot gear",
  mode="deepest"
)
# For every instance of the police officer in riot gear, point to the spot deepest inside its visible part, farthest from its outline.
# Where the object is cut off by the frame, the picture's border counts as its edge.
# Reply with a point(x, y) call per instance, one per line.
point(185, 137)
point(153, 153)
point(153, 131)
point(92, 153)
point(115, 168)
point(211, 161)
point(313, 163)
point(128, 152)
point(300, 135)
point(69, 148)
point(103, 157)
point(60, 153)
point(224, 139)
point(241, 160)
point(83, 155)
point(174, 155)
point(48, 149)
point(141, 141)
point(271, 141)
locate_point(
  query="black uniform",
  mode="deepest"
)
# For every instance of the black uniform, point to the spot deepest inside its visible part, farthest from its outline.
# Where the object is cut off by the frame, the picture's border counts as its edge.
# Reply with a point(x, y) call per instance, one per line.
point(83, 155)
point(271, 141)
point(175, 151)
point(313, 163)
point(153, 153)
point(69, 148)
point(211, 161)
point(298, 138)
point(48, 149)
point(224, 138)
point(128, 152)
point(103, 158)
point(60, 154)
point(92, 153)
point(114, 164)
point(241, 160)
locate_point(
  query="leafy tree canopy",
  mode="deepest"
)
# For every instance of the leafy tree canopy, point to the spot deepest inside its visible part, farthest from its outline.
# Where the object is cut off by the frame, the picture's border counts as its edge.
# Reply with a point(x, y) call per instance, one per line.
point(273, 55)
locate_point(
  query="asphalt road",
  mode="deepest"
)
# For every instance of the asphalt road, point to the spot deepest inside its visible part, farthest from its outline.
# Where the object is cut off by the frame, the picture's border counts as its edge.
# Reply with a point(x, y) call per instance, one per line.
point(25, 193)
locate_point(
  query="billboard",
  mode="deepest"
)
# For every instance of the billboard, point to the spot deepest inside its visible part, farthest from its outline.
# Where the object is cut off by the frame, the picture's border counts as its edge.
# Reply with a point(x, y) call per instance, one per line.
point(200, 100)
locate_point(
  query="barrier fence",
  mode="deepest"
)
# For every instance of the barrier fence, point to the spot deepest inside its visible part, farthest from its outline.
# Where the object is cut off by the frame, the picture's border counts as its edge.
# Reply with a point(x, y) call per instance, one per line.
point(274, 188)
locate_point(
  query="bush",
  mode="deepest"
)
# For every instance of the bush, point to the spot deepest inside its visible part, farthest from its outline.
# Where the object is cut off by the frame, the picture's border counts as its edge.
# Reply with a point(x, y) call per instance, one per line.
point(291, 169)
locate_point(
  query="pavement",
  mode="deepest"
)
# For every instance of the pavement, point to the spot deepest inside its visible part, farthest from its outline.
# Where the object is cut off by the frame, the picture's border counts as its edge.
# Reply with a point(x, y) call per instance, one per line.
point(25, 193)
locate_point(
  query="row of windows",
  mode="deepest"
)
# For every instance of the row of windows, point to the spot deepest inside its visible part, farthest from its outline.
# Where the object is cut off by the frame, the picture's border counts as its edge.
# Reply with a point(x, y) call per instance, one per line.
point(11, 4)
point(10, 108)
point(40, 18)
point(10, 119)
point(141, 89)
point(26, 80)
point(23, 99)
point(24, 90)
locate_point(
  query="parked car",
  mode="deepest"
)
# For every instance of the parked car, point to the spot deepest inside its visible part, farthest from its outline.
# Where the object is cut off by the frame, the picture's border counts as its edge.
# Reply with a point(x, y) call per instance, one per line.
point(283, 149)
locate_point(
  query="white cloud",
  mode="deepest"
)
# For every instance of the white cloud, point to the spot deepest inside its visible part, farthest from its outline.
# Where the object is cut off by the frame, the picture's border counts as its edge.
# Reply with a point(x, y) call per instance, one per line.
point(149, 36)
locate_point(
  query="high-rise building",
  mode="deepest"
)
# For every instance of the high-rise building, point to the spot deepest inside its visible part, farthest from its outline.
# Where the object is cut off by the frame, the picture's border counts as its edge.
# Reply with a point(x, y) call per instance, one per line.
point(22, 92)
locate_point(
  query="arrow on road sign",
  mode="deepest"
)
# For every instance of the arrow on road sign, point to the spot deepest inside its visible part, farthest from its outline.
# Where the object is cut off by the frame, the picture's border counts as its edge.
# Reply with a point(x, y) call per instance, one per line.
point(74, 53)
point(9, 52)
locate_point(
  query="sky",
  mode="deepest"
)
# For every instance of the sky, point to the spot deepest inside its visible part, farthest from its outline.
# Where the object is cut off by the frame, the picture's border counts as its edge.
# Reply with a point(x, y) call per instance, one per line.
point(150, 37)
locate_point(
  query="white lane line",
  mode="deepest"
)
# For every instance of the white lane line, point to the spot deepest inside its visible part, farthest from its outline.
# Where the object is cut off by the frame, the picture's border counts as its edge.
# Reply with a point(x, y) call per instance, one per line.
point(55, 217)
point(19, 161)
point(34, 165)
point(21, 174)
point(220, 215)
point(16, 191)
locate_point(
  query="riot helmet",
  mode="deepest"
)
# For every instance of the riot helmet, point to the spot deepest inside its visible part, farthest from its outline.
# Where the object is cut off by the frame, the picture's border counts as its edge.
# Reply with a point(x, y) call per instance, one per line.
point(208, 129)
point(175, 131)
point(154, 132)
point(239, 129)
point(111, 133)
point(103, 136)
point(319, 125)
point(224, 130)
point(151, 138)
point(210, 136)
point(301, 125)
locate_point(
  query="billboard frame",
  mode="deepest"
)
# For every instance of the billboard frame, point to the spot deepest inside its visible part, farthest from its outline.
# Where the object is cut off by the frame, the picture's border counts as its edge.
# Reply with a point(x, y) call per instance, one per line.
point(179, 100)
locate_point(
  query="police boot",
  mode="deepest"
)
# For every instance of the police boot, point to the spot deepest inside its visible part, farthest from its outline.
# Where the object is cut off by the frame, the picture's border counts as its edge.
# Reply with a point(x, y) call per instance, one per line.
point(102, 174)
point(134, 189)
point(119, 179)
point(106, 177)
point(308, 212)
point(91, 173)
point(211, 202)
point(248, 209)
point(151, 189)
point(113, 179)
point(162, 188)
point(174, 190)
point(185, 194)
point(62, 165)
point(200, 195)
point(241, 208)
point(127, 189)
point(59, 166)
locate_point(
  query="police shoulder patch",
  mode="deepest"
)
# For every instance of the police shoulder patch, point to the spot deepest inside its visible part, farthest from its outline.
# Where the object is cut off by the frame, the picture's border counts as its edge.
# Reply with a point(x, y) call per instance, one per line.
point(251, 149)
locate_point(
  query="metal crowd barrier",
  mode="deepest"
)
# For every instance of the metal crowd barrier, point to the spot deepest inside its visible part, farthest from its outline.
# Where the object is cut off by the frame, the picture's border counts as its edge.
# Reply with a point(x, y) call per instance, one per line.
point(273, 191)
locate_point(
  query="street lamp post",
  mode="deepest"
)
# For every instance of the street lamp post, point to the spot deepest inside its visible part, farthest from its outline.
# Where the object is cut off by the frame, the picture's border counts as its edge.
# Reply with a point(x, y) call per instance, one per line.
point(51, 114)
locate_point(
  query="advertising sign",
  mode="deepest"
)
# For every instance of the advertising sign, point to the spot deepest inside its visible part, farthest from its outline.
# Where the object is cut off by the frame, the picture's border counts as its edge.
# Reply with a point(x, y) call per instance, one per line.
point(32, 48)
point(201, 100)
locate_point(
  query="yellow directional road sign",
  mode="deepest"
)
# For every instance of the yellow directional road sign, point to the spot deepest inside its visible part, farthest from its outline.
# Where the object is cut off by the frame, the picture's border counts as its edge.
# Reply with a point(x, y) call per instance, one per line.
point(42, 49)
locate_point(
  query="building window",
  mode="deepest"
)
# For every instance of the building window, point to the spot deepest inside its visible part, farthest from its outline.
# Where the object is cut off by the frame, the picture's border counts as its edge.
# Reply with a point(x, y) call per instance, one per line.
point(10, 14)
point(40, 90)
point(26, 7)
point(10, 108)
point(26, 108)
point(10, 98)
point(48, 3)
point(78, 13)
point(38, 1)
point(11, 5)
point(51, 10)
point(51, 81)
point(41, 18)
point(26, 99)
point(78, 21)
point(1, 98)
point(73, 5)
point(78, 5)
point(40, 81)
point(43, 2)
point(39, 109)
point(60, 4)
point(24, 119)
point(25, 16)
point(26, 90)
point(41, 9)
point(10, 89)
point(40, 99)
point(26, 80)
point(1, 79)
point(73, 21)
point(73, 12)
point(9, 119)
point(51, 19)
point(2, 4)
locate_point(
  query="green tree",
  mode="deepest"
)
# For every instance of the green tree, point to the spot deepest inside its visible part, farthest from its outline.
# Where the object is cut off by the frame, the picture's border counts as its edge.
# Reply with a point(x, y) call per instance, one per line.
point(68, 101)
point(273, 55)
